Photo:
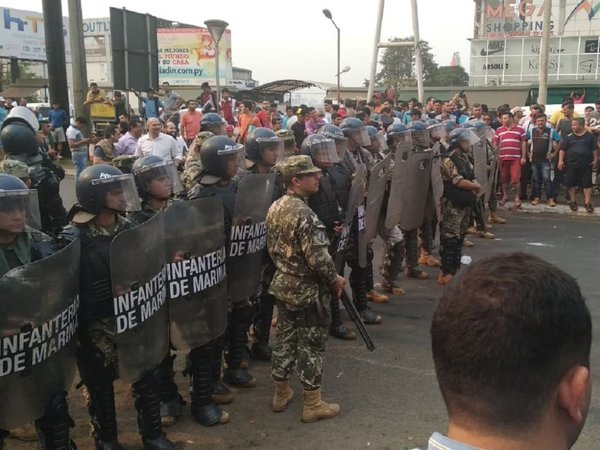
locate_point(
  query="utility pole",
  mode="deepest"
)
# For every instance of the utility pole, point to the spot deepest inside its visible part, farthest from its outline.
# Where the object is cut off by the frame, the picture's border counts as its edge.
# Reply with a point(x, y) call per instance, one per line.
point(78, 60)
point(418, 60)
point(375, 55)
point(545, 54)
point(414, 43)
point(55, 52)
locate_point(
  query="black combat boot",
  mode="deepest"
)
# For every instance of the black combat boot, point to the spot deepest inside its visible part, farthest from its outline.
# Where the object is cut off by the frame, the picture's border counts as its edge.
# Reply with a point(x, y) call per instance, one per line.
point(101, 405)
point(204, 409)
point(238, 339)
point(147, 402)
point(358, 282)
point(392, 268)
point(262, 329)
point(337, 328)
point(170, 400)
point(53, 427)
point(412, 256)
point(448, 250)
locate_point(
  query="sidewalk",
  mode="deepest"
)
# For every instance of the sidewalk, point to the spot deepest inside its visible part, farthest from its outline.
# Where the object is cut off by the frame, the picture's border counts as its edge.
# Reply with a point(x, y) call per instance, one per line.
point(527, 207)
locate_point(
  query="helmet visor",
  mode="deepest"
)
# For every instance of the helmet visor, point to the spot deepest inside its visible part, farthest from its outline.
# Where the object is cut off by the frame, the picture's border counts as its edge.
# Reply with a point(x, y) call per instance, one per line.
point(360, 136)
point(236, 150)
point(324, 152)
point(378, 142)
point(118, 193)
point(271, 150)
point(403, 140)
point(438, 131)
point(421, 139)
point(489, 133)
point(18, 209)
point(341, 147)
point(160, 180)
point(467, 135)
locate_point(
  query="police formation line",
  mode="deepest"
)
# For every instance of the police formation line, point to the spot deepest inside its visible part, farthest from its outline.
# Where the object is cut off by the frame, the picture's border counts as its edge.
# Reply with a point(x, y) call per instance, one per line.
point(148, 265)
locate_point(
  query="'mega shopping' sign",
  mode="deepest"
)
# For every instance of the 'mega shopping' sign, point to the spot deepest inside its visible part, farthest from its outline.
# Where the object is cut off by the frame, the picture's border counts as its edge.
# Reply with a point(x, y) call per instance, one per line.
point(525, 18)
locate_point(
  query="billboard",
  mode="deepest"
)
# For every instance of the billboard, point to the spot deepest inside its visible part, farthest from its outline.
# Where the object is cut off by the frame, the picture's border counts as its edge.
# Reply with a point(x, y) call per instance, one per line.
point(186, 56)
point(514, 60)
point(525, 18)
point(22, 35)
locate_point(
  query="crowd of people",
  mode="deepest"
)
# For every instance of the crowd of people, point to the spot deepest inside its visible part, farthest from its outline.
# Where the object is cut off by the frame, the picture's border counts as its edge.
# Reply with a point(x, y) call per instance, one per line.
point(294, 198)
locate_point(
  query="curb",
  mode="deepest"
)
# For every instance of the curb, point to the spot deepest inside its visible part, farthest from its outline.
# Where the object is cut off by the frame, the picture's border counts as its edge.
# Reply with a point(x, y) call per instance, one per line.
point(543, 208)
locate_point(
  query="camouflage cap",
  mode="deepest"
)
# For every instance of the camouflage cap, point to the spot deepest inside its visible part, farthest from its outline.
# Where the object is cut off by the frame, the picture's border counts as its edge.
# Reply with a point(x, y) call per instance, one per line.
point(13, 167)
point(286, 135)
point(297, 165)
point(124, 162)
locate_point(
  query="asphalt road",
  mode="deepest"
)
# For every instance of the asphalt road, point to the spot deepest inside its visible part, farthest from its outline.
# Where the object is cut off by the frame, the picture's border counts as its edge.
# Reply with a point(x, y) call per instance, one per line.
point(389, 397)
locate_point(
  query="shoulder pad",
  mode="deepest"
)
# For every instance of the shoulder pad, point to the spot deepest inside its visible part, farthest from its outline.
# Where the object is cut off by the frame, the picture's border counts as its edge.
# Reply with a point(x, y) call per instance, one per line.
point(68, 234)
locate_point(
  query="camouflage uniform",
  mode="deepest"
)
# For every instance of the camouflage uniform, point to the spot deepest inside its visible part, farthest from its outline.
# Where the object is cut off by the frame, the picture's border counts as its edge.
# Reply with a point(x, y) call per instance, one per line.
point(17, 168)
point(23, 250)
point(297, 242)
point(455, 219)
point(193, 167)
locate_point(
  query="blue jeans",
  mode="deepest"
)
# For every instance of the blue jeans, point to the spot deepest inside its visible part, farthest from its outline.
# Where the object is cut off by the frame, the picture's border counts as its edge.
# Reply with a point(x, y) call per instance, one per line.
point(541, 174)
point(80, 160)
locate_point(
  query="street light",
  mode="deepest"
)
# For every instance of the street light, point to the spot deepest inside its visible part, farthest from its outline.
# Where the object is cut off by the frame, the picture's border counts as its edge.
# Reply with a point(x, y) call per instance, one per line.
point(216, 28)
point(327, 14)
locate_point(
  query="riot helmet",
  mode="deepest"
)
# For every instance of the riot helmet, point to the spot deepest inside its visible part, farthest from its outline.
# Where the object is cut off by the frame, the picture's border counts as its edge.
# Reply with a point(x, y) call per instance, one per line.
point(420, 134)
point(18, 205)
point(463, 138)
point(102, 187)
point(213, 122)
point(335, 133)
point(377, 140)
point(468, 124)
point(263, 144)
point(289, 141)
point(156, 178)
point(398, 134)
point(18, 135)
point(355, 130)
point(221, 157)
point(437, 130)
point(321, 149)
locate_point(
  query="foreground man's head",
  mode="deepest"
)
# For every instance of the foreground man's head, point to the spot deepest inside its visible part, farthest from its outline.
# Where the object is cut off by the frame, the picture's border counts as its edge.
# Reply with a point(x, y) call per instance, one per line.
point(511, 345)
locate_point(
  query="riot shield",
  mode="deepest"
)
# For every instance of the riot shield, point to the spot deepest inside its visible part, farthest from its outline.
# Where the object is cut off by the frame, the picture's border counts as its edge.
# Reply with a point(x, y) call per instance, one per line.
point(421, 140)
point(355, 199)
point(138, 273)
point(437, 183)
point(248, 238)
point(377, 182)
point(38, 325)
point(480, 163)
point(196, 275)
point(408, 193)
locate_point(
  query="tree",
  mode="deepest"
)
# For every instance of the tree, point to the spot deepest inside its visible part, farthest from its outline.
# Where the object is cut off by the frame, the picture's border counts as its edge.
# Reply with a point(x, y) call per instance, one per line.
point(398, 65)
point(449, 76)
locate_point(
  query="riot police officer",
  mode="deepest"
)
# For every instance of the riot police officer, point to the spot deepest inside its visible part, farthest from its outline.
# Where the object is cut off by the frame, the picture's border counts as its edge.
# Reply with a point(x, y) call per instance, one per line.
point(221, 159)
point(19, 141)
point(20, 245)
point(157, 181)
point(214, 123)
point(263, 150)
point(322, 150)
point(103, 192)
point(459, 196)
point(358, 137)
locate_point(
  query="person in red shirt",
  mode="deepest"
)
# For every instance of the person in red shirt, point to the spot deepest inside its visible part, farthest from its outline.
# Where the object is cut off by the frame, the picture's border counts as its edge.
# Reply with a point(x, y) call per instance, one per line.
point(511, 141)
point(227, 107)
point(264, 114)
point(189, 124)
point(248, 121)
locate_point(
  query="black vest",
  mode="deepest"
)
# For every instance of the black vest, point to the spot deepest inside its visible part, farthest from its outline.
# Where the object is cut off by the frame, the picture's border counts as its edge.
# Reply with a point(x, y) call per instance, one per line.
point(460, 198)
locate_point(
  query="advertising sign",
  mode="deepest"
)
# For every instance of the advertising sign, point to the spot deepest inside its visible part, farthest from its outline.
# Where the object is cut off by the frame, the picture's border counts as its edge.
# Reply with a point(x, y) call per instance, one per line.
point(186, 56)
point(22, 35)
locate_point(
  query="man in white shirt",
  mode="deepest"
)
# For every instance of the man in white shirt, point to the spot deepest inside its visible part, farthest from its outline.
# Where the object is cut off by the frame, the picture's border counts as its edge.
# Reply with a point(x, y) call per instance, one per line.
point(156, 143)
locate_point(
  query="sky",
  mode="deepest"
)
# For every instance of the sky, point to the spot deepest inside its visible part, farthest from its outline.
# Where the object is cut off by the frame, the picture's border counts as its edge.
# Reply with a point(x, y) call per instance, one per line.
point(279, 39)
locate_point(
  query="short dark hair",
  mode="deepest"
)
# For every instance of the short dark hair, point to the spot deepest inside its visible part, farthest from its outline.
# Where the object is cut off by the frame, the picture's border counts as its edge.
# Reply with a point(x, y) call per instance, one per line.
point(134, 123)
point(328, 102)
point(540, 115)
point(580, 121)
point(82, 120)
point(597, 102)
point(568, 103)
point(225, 90)
point(503, 336)
point(350, 103)
point(416, 112)
point(505, 113)
point(109, 131)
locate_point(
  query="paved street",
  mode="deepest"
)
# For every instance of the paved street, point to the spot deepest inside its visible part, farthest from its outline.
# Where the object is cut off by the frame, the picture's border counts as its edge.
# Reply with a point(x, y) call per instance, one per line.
point(389, 397)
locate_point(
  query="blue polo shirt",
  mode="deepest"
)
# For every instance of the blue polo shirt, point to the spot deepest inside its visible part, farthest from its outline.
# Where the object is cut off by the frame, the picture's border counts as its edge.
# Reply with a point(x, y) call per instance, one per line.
point(57, 118)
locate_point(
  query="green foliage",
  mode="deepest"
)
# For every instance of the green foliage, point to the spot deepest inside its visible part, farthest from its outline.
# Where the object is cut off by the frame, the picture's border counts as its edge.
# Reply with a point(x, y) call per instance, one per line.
point(449, 76)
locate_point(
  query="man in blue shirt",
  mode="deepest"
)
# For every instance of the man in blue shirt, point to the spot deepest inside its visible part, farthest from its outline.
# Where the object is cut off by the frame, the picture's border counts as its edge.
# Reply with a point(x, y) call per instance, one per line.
point(151, 102)
point(59, 120)
point(542, 147)
point(511, 342)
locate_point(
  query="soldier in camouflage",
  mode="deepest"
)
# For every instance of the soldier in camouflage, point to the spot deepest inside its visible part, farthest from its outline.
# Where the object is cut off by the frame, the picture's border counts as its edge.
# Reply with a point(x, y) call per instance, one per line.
point(193, 165)
point(289, 142)
point(102, 190)
point(20, 244)
point(459, 196)
point(16, 168)
point(297, 242)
